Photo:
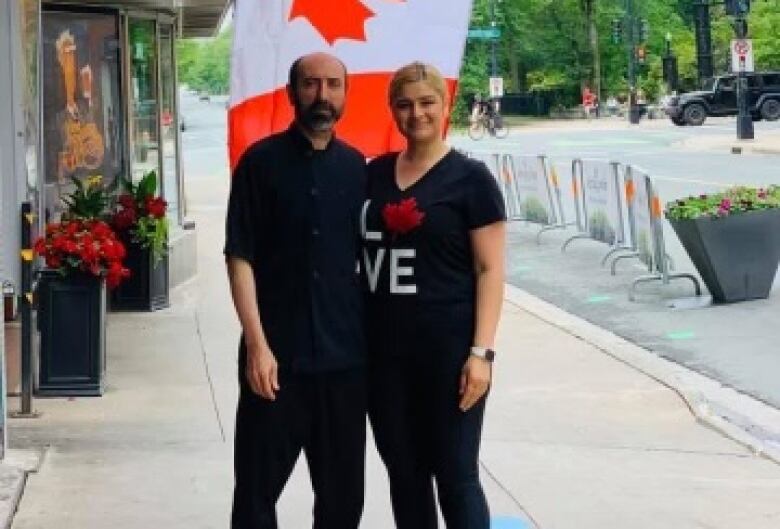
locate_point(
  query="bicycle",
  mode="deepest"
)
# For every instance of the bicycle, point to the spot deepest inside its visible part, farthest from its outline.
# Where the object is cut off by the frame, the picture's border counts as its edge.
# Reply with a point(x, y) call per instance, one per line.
point(493, 124)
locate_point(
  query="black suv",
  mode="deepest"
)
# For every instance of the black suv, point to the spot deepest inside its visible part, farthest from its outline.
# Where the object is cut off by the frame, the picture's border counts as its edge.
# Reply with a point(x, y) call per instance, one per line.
point(719, 98)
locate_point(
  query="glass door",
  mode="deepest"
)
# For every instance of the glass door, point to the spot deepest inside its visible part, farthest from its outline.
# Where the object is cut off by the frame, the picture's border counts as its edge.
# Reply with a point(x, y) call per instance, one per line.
point(169, 124)
point(144, 130)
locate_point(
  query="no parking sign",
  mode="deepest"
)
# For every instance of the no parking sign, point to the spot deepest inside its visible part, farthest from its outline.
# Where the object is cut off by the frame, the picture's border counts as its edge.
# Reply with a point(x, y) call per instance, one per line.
point(742, 55)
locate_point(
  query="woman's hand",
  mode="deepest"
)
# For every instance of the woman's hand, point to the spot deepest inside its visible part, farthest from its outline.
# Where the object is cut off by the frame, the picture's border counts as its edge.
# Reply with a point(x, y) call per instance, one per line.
point(474, 381)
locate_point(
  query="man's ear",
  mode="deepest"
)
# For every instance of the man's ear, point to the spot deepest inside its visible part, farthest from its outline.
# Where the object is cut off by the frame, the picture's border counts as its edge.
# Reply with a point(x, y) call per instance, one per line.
point(291, 95)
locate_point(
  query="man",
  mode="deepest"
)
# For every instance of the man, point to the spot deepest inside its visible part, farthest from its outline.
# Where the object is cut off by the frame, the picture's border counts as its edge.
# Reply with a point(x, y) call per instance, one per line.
point(292, 246)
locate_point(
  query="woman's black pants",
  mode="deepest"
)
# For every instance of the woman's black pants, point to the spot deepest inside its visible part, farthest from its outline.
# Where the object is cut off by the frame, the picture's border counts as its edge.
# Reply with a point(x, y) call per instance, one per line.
point(422, 435)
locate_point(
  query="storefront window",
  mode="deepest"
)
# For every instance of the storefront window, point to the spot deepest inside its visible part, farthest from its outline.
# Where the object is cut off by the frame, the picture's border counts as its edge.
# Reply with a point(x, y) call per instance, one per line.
point(82, 111)
point(169, 124)
point(144, 132)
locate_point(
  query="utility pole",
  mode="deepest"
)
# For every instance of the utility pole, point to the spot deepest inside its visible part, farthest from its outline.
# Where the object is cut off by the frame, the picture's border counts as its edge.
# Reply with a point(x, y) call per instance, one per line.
point(703, 40)
point(631, 37)
point(493, 41)
point(670, 71)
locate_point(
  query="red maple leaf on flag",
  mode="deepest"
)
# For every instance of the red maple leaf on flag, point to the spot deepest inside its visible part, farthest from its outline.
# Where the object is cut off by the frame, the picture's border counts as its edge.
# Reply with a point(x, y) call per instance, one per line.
point(334, 19)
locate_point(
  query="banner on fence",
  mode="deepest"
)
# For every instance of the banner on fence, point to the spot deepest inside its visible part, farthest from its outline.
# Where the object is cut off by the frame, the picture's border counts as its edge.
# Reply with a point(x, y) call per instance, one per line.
point(601, 205)
point(638, 198)
point(534, 195)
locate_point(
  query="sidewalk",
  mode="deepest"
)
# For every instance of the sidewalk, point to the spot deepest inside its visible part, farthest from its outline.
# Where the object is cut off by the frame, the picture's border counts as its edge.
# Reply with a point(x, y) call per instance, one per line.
point(574, 437)
point(764, 143)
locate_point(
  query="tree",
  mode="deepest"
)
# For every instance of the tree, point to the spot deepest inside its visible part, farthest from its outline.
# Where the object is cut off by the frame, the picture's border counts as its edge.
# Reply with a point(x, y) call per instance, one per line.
point(204, 65)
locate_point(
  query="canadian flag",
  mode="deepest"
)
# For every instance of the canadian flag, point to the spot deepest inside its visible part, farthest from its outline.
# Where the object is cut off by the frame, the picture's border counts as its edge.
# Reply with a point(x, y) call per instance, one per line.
point(372, 37)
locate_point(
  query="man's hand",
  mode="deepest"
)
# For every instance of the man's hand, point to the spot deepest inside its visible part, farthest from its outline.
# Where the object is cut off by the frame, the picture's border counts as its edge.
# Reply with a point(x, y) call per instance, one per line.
point(474, 381)
point(262, 371)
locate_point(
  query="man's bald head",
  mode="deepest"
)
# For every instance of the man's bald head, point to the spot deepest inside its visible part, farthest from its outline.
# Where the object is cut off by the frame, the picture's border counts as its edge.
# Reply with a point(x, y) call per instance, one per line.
point(317, 90)
point(305, 60)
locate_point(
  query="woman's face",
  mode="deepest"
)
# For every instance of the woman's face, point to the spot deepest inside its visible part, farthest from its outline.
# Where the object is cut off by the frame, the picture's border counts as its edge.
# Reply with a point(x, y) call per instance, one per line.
point(419, 112)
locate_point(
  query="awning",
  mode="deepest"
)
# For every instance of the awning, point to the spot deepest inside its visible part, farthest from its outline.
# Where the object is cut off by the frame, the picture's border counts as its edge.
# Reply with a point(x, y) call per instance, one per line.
point(198, 18)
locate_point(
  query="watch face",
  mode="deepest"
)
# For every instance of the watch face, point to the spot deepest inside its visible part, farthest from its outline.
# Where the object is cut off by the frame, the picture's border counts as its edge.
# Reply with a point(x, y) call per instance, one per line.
point(490, 355)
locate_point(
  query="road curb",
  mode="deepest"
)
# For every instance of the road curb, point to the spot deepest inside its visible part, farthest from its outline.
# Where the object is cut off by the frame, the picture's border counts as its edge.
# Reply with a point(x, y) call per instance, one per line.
point(739, 417)
point(14, 469)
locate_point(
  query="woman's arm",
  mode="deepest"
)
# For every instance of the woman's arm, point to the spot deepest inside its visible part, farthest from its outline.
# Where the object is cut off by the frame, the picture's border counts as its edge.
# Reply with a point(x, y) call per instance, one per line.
point(488, 248)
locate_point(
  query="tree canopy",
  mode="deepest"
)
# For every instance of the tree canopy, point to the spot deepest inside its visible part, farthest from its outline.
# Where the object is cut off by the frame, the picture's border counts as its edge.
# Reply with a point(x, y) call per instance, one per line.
point(556, 47)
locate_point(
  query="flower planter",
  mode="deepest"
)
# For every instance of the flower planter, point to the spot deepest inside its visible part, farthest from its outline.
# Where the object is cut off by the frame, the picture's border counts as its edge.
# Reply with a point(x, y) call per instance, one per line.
point(147, 288)
point(736, 255)
point(72, 323)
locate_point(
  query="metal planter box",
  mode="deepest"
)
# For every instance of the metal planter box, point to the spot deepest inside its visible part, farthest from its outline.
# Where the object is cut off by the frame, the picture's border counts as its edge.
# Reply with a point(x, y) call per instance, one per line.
point(737, 256)
point(72, 322)
point(147, 288)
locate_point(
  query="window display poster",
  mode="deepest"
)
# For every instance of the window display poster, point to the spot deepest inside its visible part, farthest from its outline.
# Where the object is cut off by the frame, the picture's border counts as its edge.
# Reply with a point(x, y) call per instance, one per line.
point(81, 100)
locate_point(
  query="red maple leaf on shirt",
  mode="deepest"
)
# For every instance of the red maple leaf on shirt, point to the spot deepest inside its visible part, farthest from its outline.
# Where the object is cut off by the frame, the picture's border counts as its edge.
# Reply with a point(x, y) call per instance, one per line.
point(334, 19)
point(403, 217)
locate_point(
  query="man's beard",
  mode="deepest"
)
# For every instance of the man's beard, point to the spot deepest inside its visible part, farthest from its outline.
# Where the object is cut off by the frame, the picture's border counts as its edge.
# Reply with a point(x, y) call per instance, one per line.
point(320, 116)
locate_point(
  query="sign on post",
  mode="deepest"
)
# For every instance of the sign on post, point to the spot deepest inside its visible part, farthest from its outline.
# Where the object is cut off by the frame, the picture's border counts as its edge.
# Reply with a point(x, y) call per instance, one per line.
point(484, 33)
point(496, 87)
point(742, 56)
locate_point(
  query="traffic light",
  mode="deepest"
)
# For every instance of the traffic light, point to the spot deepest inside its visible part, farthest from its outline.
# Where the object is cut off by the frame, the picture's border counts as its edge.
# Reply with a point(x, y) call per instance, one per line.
point(644, 30)
point(617, 31)
point(641, 54)
point(737, 8)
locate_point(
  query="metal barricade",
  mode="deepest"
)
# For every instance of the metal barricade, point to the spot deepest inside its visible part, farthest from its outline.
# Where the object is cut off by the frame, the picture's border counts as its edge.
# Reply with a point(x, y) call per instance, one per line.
point(598, 204)
point(649, 230)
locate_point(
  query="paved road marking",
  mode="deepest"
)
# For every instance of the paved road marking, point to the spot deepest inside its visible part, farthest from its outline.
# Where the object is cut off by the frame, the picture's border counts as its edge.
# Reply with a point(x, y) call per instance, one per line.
point(598, 299)
point(508, 522)
point(681, 335)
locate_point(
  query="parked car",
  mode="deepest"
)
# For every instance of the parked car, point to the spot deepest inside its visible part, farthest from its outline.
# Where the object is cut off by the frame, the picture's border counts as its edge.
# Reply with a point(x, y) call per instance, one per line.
point(719, 98)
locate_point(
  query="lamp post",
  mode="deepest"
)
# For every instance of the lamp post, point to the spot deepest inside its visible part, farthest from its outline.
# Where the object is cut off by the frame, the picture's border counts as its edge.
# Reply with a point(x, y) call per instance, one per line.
point(670, 65)
point(703, 40)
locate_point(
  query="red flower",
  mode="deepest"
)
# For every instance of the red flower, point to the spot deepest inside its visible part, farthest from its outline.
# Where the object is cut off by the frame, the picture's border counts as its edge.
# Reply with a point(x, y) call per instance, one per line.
point(124, 219)
point(101, 230)
point(403, 217)
point(127, 201)
point(40, 246)
point(72, 227)
point(113, 250)
point(156, 207)
point(115, 273)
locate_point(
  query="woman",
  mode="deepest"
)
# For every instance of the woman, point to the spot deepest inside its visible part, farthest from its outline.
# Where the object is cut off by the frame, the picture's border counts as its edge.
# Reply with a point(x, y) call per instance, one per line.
point(433, 232)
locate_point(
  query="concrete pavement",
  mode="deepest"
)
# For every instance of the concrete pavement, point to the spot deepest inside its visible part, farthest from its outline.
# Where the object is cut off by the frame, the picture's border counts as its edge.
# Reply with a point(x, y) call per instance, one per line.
point(574, 437)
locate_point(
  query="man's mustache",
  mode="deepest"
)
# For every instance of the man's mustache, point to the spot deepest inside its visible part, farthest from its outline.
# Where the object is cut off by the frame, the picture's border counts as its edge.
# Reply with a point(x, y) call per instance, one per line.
point(322, 106)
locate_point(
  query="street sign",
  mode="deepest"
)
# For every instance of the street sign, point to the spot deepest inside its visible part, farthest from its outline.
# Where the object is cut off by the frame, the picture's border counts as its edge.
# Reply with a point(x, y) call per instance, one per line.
point(484, 33)
point(742, 56)
point(496, 87)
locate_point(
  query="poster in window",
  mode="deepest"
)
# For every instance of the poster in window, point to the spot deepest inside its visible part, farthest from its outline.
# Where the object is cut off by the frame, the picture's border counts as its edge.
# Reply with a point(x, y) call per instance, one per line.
point(81, 103)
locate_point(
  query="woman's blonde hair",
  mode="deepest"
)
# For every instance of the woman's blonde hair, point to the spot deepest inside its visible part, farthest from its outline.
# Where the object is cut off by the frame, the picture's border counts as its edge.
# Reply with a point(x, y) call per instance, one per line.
point(414, 72)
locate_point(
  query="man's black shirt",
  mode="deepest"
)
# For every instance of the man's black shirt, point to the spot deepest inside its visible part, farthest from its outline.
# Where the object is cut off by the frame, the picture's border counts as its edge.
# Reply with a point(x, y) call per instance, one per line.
point(294, 216)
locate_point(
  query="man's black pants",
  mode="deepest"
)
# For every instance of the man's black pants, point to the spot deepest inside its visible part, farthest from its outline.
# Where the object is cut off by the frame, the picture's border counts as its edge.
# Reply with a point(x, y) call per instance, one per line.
point(324, 415)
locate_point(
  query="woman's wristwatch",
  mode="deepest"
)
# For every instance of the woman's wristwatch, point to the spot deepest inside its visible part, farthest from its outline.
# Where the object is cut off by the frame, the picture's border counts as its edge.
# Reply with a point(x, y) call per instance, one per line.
point(483, 352)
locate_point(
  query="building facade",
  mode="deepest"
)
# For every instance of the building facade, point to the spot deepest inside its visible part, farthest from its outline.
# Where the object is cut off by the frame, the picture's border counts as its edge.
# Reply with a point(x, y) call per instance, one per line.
point(89, 88)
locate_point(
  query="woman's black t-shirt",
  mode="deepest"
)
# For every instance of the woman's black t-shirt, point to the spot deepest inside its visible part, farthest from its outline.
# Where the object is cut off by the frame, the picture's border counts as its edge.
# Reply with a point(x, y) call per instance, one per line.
point(417, 256)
